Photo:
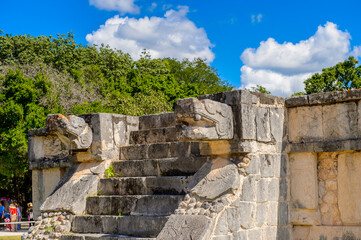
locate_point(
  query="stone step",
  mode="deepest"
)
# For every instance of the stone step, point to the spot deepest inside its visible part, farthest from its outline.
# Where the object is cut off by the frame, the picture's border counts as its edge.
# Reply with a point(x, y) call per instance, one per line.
point(95, 236)
point(153, 135)
point(159, 150)
point(153, 121)
point(143, 185)
point(181, 166)
point(139, 226)
point(135, 205)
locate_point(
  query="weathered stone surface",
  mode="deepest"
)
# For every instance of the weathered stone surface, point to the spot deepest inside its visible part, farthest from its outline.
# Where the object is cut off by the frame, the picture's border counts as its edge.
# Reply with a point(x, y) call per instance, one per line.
point(215, 178)
point(233, 219)
point(272, 215)
point(203, 119)
point(305, 217)
point(187, 227)
point(262, 190)
point(349, 187)
point(44, 182)
point(269, 233)
point(141, 226)
point(261, 214)
point(222, 224)
point(296, 101)
point(277, 123)
point(146, 205)
point(327, 232)
point(305, 124)
point(268, 162)
point(70, 193)
point(143, 185)
point(73, 131)
point(247, 125)
point(153, 135)
point(263, 128)
point(154, 121)
point(240, 235)
point(247, 214)
point(304, 192)
point(249, 189)
point(255, 233)
point(339, 121)
point(181, 166)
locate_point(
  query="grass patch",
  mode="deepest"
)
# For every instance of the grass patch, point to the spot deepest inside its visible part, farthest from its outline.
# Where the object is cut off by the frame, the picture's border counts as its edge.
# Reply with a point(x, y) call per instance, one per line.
point(10, 238)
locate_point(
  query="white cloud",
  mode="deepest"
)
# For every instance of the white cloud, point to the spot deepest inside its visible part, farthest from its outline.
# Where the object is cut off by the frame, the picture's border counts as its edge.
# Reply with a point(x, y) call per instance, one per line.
point(152, 7)
point(256, 18)
point(123, 6)
point(173, 35)
point(282, 68)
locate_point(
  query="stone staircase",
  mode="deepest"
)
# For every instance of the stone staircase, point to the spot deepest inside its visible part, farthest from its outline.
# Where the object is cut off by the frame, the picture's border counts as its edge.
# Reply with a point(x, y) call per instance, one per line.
point(151, 176)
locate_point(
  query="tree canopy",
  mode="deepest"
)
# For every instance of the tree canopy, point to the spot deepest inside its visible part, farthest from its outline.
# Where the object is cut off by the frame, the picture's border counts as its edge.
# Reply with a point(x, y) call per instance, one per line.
point(343, 76)
point(46, 74)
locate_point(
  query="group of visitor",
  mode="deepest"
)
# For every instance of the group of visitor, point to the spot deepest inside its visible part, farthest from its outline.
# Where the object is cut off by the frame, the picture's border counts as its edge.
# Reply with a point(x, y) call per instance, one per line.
point(11, 211)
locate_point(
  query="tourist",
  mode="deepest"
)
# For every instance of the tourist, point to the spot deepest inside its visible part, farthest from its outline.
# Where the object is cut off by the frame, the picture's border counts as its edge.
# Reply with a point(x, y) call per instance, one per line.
point(13, 215)
point(18, 208)
point(2, 213)
point(29, 212)
point(7, 217)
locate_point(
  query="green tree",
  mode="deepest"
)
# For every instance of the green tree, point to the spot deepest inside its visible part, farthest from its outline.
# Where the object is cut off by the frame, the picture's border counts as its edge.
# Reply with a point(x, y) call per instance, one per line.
point(45, 74)
point(343, 76)
point(260, 89)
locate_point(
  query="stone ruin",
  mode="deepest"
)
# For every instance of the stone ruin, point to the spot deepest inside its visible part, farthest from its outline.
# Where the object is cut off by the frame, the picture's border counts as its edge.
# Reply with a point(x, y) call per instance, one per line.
point(235, 165)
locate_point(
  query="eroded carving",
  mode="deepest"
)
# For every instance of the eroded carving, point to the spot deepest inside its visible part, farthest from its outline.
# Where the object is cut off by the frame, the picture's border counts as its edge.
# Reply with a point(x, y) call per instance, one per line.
point(203, 119)
point(211, 189)
point(73, 131)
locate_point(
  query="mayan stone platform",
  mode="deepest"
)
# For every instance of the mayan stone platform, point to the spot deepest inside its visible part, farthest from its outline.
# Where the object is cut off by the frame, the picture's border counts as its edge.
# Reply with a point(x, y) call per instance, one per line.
point(235, 165)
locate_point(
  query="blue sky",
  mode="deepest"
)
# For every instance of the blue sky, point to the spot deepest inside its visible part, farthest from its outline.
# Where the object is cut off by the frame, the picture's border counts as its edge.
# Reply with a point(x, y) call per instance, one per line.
point(277, 44)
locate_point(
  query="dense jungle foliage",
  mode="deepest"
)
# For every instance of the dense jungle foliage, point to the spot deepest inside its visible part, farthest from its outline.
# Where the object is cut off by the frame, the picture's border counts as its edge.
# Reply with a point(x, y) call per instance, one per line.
point(46, 74)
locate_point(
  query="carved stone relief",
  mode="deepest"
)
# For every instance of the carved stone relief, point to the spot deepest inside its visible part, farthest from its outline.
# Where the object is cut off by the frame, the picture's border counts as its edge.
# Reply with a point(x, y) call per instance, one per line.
point(203, 119)
point(73, 131)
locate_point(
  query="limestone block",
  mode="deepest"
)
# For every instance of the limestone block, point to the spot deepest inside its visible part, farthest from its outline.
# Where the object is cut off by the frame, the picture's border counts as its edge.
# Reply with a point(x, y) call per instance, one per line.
point(328, 232)
point(273, 189)
point(185, 227)
point(283, 214)
point(277, 123)
point(203, 119)
point(247, 126)
point(249, 189)
point(222, 224)
point(36, 148)
point(263, 128)
point(261, 214)
point(268, 162)
point(339, 121)
point(73, 131)
point(240, 235)
point(255, 233)
point(300, 232)
point(272, 215)
point(214, 179)
point(269, 233)
point(80, 181)
point(305, 124)
point(349, 187)
point(247, 214)
point(233, 219)
point(262, 190)
point(304, 185)
point(305, 217)
point(44, 182)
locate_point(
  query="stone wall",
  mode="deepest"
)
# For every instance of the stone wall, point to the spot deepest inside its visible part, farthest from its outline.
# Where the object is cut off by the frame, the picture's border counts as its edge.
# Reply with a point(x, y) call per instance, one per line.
point(323, 151)
point(256, 166)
